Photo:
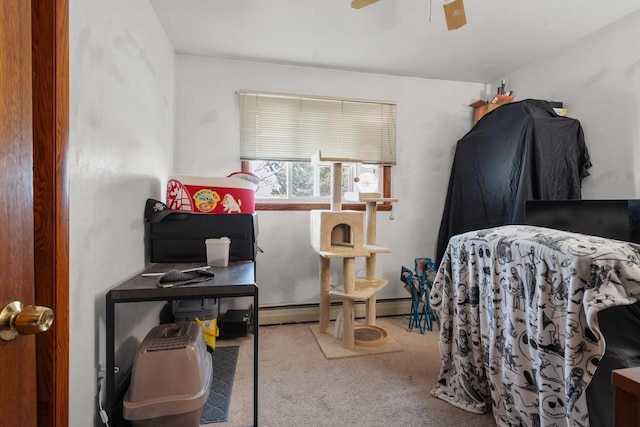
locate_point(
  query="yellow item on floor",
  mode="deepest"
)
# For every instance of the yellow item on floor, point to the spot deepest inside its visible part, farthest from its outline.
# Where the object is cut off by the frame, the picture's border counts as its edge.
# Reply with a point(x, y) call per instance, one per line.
point(210, 329)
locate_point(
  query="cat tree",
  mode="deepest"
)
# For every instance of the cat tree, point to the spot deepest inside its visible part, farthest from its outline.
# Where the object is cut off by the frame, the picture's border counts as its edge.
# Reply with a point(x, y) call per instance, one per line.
point(340, 234)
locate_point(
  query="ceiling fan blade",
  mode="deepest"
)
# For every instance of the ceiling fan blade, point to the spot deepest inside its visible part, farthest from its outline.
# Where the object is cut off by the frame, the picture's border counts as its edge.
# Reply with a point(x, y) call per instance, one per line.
point(358, 4)
point(454, 14)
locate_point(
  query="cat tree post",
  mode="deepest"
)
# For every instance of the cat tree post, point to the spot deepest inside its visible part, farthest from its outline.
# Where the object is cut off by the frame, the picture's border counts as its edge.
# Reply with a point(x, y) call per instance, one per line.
point(370, 262)
point(336, 187)
point(371, 201)
point(348, 304)
point(325, 298)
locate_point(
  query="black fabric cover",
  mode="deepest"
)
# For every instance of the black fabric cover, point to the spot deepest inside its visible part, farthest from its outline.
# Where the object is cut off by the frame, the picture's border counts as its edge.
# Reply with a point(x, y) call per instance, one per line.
point(518, 152)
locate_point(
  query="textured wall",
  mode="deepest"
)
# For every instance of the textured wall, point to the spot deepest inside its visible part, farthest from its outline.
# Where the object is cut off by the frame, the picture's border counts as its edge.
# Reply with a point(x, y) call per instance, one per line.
point(598, 79)
point(121, 146)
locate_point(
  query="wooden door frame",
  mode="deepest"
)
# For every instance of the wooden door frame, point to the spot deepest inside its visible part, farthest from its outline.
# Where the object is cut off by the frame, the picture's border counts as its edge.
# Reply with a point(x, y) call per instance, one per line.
point(50, 76)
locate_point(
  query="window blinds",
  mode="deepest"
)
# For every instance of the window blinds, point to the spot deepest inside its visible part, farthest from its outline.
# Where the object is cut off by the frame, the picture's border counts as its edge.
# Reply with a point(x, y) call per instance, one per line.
point(293, 128)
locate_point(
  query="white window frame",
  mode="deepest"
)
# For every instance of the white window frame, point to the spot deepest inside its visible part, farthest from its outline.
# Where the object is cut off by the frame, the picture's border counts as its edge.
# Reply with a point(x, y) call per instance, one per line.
point(317, 198)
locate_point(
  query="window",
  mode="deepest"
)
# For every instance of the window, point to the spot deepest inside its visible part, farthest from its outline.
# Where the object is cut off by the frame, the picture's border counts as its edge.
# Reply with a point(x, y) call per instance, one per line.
point(304, 182)
point(280, 133)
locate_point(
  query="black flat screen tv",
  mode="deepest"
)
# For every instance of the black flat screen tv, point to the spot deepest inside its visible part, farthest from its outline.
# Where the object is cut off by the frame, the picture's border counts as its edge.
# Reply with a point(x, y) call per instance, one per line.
point(613, 219)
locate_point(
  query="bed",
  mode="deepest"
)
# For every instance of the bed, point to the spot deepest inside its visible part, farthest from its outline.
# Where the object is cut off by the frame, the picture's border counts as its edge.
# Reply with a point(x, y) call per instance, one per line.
point(518, 309)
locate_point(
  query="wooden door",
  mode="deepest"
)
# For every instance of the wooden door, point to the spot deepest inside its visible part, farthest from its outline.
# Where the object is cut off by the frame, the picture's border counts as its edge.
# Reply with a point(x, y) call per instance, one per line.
point(34, 206)
point(17, 357)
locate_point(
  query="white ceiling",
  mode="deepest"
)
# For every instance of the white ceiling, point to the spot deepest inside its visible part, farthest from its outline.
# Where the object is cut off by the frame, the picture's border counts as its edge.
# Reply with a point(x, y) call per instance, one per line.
point(390, 37)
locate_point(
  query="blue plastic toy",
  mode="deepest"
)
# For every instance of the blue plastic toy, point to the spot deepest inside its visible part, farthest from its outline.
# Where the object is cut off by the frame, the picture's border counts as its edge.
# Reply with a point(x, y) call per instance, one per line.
point(418, 283)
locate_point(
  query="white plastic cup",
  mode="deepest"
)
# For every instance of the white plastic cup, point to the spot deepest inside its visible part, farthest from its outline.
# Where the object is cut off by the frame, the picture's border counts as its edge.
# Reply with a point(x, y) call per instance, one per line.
point(218, 251)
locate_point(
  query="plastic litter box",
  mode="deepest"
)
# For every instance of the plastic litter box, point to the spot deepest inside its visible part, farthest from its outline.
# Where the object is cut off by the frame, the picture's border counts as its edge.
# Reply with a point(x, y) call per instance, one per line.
point(171, 378)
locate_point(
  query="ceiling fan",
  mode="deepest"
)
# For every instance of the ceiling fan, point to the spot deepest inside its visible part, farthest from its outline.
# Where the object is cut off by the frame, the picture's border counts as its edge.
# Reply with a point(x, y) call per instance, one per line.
point(453, 11)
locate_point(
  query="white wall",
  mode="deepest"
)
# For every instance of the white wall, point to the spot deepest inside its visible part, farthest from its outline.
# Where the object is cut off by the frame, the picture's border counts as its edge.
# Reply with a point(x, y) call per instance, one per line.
point(598, 79)
point(432, 116)
point(121, 146)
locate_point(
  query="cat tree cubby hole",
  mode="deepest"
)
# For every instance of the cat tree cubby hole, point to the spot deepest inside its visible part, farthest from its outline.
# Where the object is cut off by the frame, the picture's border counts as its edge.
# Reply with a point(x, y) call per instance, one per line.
point(342, 235)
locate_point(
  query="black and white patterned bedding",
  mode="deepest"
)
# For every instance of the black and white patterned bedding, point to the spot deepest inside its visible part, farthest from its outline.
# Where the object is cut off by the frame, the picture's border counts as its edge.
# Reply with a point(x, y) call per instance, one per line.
point(517, 309)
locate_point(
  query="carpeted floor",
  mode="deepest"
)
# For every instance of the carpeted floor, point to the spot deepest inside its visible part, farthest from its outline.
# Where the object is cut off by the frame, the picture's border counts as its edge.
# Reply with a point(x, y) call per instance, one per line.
point(298, 386)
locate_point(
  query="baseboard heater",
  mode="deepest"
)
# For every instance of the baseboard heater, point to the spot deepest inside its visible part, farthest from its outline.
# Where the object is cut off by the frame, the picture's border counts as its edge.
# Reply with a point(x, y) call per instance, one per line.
point(310, 312)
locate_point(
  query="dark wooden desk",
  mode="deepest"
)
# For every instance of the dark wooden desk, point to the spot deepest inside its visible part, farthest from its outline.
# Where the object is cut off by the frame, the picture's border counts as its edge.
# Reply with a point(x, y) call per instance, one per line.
point(236, 280)
point(627, 397)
